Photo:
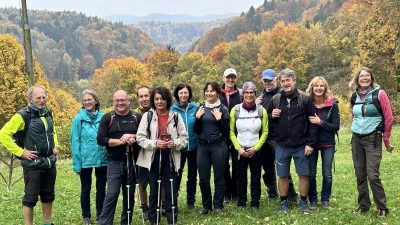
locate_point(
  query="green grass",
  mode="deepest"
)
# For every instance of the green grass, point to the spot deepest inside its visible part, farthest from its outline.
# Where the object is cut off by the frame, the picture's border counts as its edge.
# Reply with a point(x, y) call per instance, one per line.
point(66, 208)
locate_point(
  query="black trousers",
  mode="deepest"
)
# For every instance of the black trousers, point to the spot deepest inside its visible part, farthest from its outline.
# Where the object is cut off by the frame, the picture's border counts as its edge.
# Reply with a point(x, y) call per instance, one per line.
point(230, 179)
point(254, 163)
point(191, 158)
point(215, 155)
point(166, 173)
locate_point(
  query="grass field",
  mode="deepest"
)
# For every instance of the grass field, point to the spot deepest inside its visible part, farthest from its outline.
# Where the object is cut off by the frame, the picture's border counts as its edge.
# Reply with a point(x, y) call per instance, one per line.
point(66, 208)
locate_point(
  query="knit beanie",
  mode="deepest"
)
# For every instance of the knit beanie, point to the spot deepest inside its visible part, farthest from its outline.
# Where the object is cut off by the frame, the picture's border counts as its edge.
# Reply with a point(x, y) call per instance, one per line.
point(249, 86)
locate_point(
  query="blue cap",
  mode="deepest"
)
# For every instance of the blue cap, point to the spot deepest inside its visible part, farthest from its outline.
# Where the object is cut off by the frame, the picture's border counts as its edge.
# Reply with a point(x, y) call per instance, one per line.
point(268, 74)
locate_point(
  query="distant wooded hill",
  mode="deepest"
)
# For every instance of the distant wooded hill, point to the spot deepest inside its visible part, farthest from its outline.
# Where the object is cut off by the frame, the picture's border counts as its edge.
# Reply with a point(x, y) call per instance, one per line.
point(71, 45)
point(177, 18)
point(179, 35)
point(266, 16)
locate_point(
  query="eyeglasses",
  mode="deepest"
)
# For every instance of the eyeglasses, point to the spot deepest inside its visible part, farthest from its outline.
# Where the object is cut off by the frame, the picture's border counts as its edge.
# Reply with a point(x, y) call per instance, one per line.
point(230, 78)
point(249, 93)
point(120, 100)
point(365, 75)
point(87, 100)
point(183, 93)
point(267, 81)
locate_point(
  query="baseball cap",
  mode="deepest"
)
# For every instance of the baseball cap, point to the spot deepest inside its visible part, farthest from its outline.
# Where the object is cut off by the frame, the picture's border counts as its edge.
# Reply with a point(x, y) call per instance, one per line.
point(268, 74)
point(229, 72)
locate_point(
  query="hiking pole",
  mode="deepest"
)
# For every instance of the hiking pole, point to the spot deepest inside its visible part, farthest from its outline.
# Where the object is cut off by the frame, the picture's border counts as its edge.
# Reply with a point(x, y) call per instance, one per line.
point(159, 190)
point(171, 169)
point(137, 183)
point(128, 211)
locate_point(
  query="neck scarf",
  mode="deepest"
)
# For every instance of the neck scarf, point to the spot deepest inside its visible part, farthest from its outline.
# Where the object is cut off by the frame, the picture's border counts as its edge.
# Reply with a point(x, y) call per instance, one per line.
point(92, 115)
point(361, 92)
point(250, 107)
point(216, 104)
point(41, 111)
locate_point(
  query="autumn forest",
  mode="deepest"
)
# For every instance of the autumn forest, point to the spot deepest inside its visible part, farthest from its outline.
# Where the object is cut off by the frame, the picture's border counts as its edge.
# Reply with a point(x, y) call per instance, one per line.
point(73, 52)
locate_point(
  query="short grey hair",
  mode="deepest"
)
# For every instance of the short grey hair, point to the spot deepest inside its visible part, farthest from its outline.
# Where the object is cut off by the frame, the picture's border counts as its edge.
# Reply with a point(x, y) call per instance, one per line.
point(90, 92)
point(287, 72)
point(30, 90)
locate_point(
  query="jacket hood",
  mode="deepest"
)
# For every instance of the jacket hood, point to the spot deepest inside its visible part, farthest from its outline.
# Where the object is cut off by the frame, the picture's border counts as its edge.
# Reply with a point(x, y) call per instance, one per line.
point(84, 116)
point(330, 101)
point(177, 107)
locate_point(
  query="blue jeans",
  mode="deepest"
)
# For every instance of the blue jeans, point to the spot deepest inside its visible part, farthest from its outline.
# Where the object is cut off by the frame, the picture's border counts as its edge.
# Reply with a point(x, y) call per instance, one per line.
point(86, 185)
point(327, 155)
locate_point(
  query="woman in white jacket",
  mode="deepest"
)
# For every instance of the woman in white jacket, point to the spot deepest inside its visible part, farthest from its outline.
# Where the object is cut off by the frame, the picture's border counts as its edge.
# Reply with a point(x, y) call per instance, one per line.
point(162, 134)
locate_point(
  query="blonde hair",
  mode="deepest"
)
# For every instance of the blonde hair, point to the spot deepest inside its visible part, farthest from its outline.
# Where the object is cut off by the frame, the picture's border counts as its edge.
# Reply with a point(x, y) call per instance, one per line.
point(354, 82)
point(313, 82)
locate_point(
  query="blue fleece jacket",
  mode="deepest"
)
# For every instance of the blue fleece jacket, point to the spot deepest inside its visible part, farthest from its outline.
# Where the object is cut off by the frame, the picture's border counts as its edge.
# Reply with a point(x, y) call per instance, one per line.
point(86, 153)
point(188, 114)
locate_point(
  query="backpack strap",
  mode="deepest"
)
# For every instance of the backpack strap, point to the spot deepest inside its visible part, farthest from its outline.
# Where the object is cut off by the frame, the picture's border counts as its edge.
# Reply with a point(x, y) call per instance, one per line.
point(112, 113)
point(149, 118)
point(237, 111)
point(301, 100)
point(134, 116)
point(26, 115)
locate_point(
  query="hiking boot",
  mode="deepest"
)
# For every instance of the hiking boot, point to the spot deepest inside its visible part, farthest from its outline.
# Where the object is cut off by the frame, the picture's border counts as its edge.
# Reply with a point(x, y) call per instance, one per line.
point(86, 221)
point(227, 198)
point(313, 205)
point(145, 212)
point(283, 207)
point(326, 205)
point(190, 204)
point(304, 206)
point(204, 211)
point(293, 199)
point(382, 213)
point(217, 211)
point(359, 211)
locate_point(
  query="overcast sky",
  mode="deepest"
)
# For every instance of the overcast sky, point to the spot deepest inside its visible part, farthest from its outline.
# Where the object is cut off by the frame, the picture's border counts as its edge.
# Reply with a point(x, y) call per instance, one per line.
point(104, 8)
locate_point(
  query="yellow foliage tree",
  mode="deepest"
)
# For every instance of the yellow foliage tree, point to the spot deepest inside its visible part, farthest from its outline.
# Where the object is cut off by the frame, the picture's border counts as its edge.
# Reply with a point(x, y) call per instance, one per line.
point(127, 74)
point(162, 63)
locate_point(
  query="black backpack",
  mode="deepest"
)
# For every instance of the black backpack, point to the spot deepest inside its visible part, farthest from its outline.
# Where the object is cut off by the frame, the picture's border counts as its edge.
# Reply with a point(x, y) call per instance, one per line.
point(301, 100)
point(133, 115)
point(150, 117)
point(26, 115)
point(377, 104)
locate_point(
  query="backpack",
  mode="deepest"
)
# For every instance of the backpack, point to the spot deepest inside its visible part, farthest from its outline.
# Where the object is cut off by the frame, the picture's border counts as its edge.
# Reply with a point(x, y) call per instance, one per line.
point(150, 117)
point(26, 115)
point(113, 115)
point(301, 100)
point(259, 109)
point(377, 104)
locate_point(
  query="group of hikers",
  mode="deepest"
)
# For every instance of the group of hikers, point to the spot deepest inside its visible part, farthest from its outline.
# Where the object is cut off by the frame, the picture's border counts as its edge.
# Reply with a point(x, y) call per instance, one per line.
point(130, 150)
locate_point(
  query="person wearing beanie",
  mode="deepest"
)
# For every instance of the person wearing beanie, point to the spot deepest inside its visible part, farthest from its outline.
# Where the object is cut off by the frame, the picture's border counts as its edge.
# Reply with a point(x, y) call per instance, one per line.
point(271, 88)
point(248, 132)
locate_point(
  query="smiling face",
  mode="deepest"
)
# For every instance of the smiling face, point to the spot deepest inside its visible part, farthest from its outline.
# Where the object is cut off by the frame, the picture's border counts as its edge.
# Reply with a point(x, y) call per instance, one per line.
point(183, 96)
point(39, 98)
point(89, 102)
point(159, 102)
point(229, 81)
point(364, 80)
point(287, 83)
point(269, 84)
point(121, 102)
point(319, 89)
point(211, 95)
point(249, 96)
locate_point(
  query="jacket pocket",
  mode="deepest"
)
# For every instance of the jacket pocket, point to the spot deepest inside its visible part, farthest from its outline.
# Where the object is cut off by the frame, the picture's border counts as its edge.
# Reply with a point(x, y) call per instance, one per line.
point(39, 163)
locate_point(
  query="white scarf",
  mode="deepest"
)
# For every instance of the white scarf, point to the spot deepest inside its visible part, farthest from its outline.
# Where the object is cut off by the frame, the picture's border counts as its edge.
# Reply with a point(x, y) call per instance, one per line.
point(216, 104)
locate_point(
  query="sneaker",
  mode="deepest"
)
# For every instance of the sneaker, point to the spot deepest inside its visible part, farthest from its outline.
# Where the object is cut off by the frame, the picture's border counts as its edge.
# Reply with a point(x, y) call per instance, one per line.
point(239, 208)
point(304, 206)
point(326, 205)
point(86, 221)
point(145, 212)
point(313, 205)
point(359, 211)
point(254, 209)
point(293, 199)
point(382, 213)
point(283, 207)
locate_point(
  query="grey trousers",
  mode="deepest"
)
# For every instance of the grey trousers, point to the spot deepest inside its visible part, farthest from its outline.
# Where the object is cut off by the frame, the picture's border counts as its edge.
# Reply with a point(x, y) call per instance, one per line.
point(366, 159)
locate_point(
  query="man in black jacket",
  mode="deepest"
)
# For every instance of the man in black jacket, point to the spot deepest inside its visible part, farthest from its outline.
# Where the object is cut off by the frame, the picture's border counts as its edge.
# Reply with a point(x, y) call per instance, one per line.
point(268, 149)
point(117, 131)
point(295, 136)
point(230, 96)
